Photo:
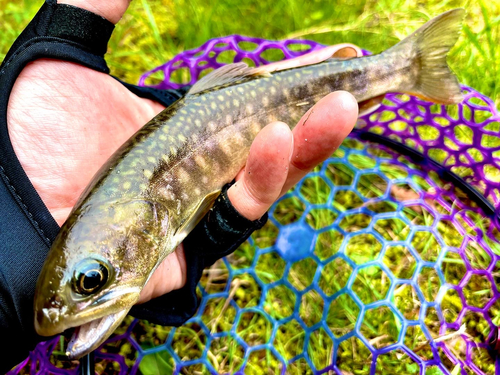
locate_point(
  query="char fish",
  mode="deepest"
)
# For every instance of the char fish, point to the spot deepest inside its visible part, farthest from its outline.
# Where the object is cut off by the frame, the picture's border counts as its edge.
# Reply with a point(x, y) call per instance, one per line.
point(162, 181)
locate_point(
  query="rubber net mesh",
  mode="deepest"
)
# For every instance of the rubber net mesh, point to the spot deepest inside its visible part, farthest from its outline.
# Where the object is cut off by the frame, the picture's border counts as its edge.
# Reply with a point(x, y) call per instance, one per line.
point(374, 263)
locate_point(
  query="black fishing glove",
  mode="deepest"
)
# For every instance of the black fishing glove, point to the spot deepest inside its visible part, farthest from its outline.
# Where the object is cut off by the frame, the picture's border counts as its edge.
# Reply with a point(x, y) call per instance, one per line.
point(27, 228)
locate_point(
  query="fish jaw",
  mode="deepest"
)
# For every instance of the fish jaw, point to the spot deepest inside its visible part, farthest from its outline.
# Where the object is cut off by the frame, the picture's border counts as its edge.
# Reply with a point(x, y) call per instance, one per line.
point(50, 321)
point(91, 335)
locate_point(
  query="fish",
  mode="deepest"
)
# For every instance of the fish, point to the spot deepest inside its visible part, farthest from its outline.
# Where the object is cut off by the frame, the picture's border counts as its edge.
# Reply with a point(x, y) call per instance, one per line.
point(158, 185)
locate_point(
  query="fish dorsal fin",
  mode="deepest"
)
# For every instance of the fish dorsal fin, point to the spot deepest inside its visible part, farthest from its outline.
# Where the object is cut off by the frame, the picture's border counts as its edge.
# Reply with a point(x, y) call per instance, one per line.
point(198, 213)
point(240, 71)
point(226, 75)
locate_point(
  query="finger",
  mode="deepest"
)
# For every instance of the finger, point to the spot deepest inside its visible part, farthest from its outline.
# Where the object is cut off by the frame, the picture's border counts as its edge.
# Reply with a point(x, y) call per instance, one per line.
point(319, 133)
point(262, 179)
point(338, 51)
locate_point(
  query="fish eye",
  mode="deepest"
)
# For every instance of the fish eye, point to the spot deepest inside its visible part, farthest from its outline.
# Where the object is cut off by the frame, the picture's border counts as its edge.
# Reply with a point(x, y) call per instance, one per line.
point(90, 277)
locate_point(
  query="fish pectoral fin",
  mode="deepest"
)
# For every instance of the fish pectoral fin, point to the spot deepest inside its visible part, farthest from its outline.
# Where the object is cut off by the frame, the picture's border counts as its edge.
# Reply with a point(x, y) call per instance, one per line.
point(226, 75)
point(199, 212)
point(370, 105)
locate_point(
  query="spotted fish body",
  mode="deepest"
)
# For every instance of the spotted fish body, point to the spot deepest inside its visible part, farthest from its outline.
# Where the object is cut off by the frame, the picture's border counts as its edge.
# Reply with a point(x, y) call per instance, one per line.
point(158, 185)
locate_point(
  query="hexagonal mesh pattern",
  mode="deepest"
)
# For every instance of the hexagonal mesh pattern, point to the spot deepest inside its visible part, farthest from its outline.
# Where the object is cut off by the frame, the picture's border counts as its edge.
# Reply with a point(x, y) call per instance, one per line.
point(372, 264)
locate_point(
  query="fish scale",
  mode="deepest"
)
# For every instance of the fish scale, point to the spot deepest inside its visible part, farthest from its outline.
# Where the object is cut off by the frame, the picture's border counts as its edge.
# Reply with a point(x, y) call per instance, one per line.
point(160, 183)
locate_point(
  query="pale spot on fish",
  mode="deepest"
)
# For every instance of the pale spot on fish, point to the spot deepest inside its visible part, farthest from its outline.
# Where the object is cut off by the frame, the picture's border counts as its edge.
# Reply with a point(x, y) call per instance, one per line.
point(165, 129)
point(213, 105)
point(212, 126)
point(225, 148)
point(253, 94)
point(255, 128)
point(272, 90)
point(249, 109)
point(204, 179)
point(220, 97)
point(126, 185)
point(272, 118)
point(197, 123)
point(197, 191)
point(151, 159)
point(173, 151)
point(182, 174)
point(240, 90)
point(143, 186)
point(147, 173)
point(181, 138)
point(162, 137)
point(265, 101)
point(236, 102)
point(229, 119)
point(184, 112)
point(200, 161)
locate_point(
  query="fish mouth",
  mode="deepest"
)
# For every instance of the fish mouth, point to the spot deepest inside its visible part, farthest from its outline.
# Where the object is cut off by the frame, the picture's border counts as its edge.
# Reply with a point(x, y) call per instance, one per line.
point(91, 335)
point(95, 321)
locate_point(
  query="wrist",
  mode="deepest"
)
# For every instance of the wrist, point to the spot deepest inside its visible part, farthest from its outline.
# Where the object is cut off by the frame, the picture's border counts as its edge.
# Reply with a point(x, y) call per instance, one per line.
point(111, 10)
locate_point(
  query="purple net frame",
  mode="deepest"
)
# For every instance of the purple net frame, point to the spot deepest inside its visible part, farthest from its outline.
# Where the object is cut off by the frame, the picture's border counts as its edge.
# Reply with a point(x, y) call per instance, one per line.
point(460, 139)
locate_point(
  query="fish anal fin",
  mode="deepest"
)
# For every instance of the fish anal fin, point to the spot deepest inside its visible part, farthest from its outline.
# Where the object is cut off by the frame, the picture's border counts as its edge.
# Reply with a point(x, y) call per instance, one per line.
point(370, 105)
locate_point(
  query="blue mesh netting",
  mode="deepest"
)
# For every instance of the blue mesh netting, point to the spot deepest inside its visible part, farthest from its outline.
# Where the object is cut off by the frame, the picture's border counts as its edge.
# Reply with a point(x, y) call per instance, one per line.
point(374, 263)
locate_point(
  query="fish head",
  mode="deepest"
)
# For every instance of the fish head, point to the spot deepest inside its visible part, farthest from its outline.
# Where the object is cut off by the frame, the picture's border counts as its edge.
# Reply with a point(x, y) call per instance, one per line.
point(96, 268)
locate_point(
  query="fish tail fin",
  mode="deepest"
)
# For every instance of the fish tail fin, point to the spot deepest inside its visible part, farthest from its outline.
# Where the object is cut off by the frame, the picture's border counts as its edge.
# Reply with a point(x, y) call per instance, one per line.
point(430, 46)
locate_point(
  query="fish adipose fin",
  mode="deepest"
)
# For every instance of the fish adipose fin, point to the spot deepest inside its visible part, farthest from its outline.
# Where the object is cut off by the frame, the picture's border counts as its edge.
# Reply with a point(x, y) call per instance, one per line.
point(430, 45)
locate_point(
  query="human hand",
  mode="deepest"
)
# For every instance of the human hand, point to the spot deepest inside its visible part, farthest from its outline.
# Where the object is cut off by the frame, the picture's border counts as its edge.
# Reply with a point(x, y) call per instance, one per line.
point(66, 120)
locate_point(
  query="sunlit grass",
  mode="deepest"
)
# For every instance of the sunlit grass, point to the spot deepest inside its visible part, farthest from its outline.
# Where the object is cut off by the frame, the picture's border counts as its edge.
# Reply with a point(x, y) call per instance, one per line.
point(152, 32)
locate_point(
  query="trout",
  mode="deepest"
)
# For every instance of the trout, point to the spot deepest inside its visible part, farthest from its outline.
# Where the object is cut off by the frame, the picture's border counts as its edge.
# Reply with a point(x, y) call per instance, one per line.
point(164, 179)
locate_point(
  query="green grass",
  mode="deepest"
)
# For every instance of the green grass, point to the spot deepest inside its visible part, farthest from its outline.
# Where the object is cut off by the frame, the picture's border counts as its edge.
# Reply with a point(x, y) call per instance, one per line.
point(152, 32)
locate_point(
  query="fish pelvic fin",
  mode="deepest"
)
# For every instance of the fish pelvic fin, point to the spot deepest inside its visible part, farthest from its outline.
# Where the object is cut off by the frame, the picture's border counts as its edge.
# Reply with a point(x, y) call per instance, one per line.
point(430, 45)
